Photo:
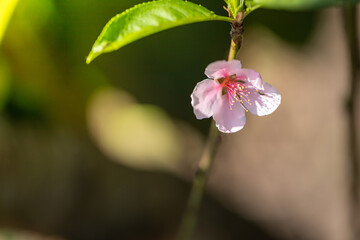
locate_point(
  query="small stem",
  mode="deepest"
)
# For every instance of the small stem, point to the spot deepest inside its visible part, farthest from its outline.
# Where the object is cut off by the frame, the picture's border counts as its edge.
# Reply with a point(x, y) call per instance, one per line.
point(236, 33)
point(188, 224)
point(350, 21)
point(189, 220)
point(234, 48)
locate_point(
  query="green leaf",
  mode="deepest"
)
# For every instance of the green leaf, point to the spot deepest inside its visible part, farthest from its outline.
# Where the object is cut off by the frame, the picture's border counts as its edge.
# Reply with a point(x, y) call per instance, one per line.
point(250, 6)
point(301, 4)
point(146, 19)
point(234, 6)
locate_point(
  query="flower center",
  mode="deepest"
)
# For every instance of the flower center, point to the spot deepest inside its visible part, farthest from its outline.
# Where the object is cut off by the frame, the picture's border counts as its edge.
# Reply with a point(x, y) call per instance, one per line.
point(236, 89)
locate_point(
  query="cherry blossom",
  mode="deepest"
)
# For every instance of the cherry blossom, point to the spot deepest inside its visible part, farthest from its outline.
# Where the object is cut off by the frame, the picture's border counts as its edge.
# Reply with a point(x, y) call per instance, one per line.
point(230, 92)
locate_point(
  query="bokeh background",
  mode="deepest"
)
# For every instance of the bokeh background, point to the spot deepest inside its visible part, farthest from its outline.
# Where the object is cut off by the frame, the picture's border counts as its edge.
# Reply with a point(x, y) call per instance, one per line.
point(108, 150)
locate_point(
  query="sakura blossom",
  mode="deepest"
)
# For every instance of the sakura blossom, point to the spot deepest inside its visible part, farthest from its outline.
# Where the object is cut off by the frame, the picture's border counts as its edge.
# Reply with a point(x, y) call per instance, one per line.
point(231, 91)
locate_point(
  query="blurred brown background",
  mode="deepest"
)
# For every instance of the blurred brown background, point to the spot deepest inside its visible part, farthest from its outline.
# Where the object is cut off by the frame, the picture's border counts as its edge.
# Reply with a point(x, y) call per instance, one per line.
point(108, 150)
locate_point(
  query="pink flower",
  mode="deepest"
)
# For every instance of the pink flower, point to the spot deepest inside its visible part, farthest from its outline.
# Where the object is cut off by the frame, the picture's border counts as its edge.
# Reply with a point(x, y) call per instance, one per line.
point(230, 92)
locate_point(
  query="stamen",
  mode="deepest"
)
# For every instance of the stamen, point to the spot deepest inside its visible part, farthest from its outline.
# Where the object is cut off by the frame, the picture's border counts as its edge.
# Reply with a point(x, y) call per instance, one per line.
point(236, 90)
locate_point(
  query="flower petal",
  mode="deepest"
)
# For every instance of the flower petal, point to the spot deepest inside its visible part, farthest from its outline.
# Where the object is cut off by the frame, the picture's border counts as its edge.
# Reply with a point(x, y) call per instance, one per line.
point(229, 119)
point(223, 69)
point(253, 78)
point(204, 96)
point(263, 102)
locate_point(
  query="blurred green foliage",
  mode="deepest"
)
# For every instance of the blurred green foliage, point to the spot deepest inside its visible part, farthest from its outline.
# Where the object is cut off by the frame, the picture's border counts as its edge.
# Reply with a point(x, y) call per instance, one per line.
point(302, 4)
point(6, 10)
point(294, 27)
point(4, 82)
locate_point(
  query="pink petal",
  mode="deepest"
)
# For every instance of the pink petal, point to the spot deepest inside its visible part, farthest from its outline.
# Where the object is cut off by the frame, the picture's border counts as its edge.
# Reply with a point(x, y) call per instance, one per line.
point(227, 120)
point(222, 69)
point(263, 102)
point(252, 77)
point(204, 96)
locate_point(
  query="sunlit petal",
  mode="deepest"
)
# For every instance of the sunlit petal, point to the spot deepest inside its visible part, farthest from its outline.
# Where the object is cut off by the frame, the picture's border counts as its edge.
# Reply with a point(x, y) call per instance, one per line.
point(204, 96)
point(263, 102)
point(223, 69)
point(229, 118)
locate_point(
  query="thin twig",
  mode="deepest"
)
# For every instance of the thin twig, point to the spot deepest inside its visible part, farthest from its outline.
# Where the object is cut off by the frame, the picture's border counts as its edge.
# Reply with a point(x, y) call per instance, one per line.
point(189, 221)
point(188, 224)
